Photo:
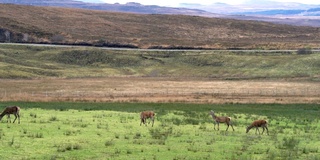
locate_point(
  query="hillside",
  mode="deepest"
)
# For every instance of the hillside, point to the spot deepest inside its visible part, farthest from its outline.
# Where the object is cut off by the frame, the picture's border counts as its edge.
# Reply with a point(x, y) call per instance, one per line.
point(251, 10)
point(22, 61)
point(88, 27)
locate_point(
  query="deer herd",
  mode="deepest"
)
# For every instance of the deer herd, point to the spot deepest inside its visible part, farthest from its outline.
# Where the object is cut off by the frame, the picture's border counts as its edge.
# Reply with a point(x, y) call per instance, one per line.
point(217, 120)
point(15, 110)
point(255, 124)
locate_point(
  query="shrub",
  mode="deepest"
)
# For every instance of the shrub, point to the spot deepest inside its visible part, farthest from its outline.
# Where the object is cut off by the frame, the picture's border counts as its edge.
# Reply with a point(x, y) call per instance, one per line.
point(290, 143)
point(160, 133)
point(82, 57)
point(109, 143)
point(304, 51)
point(53, 118)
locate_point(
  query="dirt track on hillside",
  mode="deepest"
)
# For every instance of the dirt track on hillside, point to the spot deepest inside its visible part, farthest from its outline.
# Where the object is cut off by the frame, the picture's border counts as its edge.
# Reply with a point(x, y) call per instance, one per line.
point(133, 89)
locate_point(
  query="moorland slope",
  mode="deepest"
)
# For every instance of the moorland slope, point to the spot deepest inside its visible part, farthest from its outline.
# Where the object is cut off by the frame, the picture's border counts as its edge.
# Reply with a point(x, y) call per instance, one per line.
point(20, 61)
point(88, 27)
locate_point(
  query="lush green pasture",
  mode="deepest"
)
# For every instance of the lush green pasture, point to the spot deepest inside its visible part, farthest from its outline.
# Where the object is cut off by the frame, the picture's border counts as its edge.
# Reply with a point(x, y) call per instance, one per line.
point(181, 131)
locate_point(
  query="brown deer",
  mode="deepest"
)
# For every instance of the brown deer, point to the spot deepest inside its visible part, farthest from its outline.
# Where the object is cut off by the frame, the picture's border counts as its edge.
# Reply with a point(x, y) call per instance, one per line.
point(222, 119)
point(11, 110)
point(145, 115)
point(258, 123)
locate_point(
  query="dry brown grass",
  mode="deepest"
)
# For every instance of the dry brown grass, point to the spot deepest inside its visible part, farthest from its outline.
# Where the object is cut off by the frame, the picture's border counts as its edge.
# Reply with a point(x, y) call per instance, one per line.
point(139, 89)
point(78, 25)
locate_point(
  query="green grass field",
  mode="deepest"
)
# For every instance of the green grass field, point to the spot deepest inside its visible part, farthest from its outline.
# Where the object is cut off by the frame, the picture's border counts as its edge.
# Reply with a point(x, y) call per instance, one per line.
point(65, 130)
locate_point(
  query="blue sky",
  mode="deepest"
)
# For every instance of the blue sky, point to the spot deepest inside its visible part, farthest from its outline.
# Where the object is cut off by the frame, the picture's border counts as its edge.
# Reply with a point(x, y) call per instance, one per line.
point(175, 3)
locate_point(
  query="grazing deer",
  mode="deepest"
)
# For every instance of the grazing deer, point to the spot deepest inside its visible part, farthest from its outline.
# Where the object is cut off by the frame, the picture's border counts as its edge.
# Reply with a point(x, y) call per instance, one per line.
point(218, 120)
point(11, 110)
point(145, 115)
point(258, 123)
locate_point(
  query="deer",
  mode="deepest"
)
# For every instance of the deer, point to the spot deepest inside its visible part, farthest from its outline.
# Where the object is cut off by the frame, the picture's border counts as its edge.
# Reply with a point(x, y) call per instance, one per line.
point(258, 123)
point(15, 110)
point(145, 115)
point(222, 119)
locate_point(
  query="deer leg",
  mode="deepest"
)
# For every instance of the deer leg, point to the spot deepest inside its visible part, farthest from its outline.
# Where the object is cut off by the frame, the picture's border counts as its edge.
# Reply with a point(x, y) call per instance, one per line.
point(15, 118)
point(144, 121)
point(262, 130)
point(8, 119)
point(227, 127)
point(152, 121)
point(18, 117)
point(232, 127)
point(267, 130)
point(257, 129)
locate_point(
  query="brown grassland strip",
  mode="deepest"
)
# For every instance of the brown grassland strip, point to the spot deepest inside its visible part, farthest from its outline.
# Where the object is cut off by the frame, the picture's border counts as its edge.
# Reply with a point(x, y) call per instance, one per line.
point(160, 90)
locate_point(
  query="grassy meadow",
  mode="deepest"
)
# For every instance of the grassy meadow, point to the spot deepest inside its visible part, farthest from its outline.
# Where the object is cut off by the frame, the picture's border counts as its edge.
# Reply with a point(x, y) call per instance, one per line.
point(68, 130)
point(19, 61)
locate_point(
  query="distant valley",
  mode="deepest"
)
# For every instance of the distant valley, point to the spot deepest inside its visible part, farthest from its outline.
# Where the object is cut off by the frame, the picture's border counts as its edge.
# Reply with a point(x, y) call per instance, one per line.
point(220, 45)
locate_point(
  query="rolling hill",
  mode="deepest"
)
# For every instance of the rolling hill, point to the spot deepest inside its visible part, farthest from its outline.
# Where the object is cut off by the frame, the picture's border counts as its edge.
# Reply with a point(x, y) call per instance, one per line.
point(268, 11)
point(34, 24)
point(29, 62)
point(130, 7)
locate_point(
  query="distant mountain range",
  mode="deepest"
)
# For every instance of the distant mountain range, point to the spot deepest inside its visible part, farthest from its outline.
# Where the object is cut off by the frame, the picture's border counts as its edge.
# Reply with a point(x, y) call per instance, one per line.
point(276, 12)
point(129, 7)
point(266, 9)
point(261, 7)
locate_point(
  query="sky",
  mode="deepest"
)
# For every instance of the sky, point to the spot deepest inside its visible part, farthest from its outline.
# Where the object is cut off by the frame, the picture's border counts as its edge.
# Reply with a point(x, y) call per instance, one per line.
point(175, 3)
